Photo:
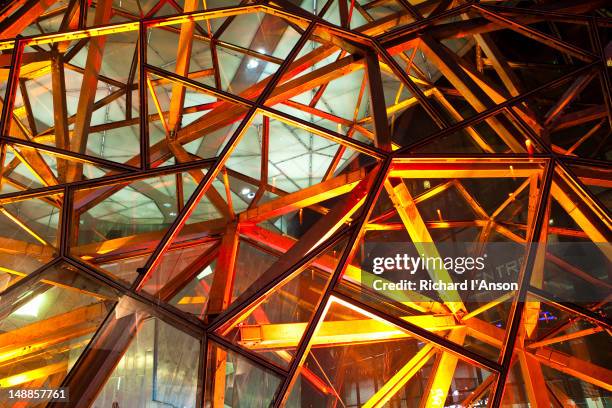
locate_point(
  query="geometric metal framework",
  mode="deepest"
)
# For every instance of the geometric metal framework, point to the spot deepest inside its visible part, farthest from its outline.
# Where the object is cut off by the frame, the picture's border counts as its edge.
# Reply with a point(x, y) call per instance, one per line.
point(189, 191)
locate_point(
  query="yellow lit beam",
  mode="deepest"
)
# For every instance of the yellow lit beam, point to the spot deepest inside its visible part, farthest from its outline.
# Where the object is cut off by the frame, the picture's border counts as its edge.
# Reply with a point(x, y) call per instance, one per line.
point(422, 240)
point(21, 156)
point(160, 112)
point(474, 169)
point(23, 226)
point(395, 383)
point(25, 336)
point(443, 372)
point(353, 274)
point(579, 214)
point(31, 375)
point(488, 306)
point(304, 198)
point(130, 26)
point(183, 57)
point(561, 396)
point(332, 333)
point(478, 393)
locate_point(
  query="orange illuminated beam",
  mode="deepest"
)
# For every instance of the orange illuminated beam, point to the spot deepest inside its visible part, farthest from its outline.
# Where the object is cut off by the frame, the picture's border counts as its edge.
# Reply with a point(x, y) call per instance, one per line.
point(489, 305)
point(130, 26)
point(478, 393)
point(22, 18)
point(36, 164)
point(216, 199)
point(89, 87)
point(183, 58)
point(41, 335)
point(564, 400)
point(282, 243)
point(575, 367)
point(334, 333)
point(223, 278)
point(478, 139)
point(476, 168)
point(596, 228)
point(480, 98)
point(535, 383)
point(566, 337)
point(160, 112)
point(304, 198)
point(139, 244)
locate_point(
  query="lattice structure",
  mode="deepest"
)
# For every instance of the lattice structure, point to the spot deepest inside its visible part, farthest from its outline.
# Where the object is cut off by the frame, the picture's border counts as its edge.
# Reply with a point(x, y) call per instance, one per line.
point(191, 191)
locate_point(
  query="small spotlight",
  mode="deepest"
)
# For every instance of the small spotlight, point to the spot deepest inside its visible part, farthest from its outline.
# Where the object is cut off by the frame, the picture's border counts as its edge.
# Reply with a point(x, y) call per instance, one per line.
point(167, 205)
point(426, 184)
point(261, 50)
point(250, 195)
point(529, 146)
point(551, 221)
point(172, 214)
point(252, 64)
point(245, 191)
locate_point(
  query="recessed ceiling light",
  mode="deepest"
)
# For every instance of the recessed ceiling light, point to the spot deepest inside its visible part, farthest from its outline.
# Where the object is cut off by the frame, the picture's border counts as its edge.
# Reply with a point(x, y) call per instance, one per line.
point(253, 63)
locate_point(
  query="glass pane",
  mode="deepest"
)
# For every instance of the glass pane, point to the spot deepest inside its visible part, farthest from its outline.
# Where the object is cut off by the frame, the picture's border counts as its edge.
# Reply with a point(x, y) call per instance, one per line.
point(29, 235)
point(120, 224)
point(357, 359)
point(234, 381)
point(47, 324)
point(159, 368)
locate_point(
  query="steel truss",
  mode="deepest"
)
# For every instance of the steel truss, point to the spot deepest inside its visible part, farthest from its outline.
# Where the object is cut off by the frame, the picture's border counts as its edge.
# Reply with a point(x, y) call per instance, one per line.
point(152, 158)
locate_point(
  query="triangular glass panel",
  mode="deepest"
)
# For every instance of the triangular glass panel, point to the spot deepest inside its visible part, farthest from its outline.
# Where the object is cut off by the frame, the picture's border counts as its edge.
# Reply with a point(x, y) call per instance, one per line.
point(273, 326)
point(47, 323)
